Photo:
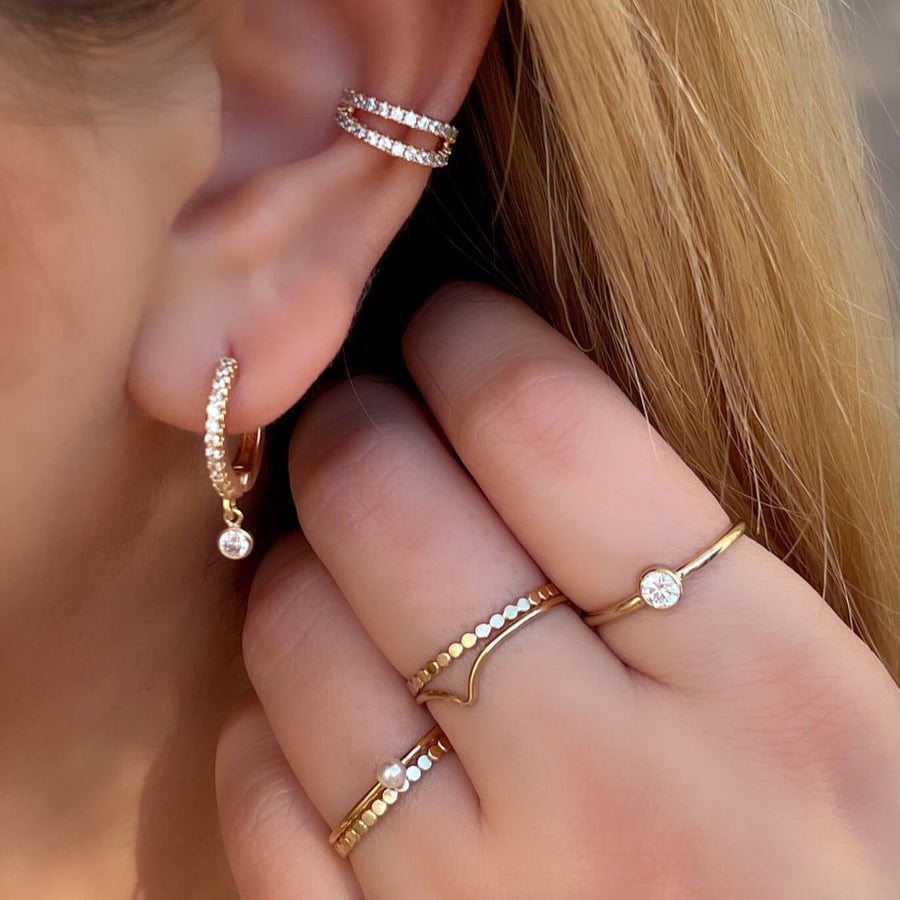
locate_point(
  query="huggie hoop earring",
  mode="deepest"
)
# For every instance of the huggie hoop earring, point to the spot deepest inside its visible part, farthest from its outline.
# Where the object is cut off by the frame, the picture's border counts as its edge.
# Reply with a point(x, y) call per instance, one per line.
point(433, 159)
point(230, 480)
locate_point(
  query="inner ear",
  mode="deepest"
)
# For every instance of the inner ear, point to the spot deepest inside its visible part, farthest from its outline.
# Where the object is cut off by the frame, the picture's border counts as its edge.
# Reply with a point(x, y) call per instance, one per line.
point(268, 261)
point(280, 64)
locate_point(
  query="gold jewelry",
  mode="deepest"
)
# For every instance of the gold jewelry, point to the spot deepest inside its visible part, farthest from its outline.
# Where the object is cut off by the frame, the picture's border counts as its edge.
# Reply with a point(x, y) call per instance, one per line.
point(347, 118)
point(514, 616)
point(230, 480)
point(661, 588)
point(395, 777)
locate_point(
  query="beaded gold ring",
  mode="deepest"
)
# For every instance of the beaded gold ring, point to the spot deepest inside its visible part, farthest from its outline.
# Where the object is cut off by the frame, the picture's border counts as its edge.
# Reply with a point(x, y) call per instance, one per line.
point(501, 625)
point(395, 778)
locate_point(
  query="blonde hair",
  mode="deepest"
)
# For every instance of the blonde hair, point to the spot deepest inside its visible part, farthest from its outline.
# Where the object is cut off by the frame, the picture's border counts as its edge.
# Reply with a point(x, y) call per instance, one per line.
point(683, 189)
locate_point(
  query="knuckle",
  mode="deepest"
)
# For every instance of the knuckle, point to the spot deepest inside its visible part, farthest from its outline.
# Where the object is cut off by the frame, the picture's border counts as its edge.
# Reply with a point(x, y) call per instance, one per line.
point(819, 710)
point(354, 486)
point(255, 801)
point(537, 404)
point(272, 629)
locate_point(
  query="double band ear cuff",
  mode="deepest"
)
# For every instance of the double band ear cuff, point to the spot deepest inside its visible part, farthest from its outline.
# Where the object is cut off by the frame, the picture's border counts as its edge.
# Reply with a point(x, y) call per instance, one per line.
point(230, 480)
point(353, 102)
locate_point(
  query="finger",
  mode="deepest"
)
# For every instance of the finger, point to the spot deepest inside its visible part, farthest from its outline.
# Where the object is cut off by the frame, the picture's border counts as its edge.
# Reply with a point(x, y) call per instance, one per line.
point(276, 841)
point(593, 493)
point(338, 709)
point(422, 558)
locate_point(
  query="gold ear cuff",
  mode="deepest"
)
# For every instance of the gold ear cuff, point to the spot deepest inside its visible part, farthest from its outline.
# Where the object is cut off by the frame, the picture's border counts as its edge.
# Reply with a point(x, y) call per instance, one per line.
point(353, 102)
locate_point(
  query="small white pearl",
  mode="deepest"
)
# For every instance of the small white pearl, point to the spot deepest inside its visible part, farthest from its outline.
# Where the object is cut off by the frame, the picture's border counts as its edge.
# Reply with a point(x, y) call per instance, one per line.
point(392, 774)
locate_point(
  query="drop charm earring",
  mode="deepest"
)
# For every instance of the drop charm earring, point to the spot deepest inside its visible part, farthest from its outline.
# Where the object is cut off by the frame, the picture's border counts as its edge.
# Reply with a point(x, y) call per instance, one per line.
point(230, 480)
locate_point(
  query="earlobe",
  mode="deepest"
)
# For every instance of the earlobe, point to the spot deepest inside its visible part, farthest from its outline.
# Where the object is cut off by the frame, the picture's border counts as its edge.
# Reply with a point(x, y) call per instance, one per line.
point(268, 263)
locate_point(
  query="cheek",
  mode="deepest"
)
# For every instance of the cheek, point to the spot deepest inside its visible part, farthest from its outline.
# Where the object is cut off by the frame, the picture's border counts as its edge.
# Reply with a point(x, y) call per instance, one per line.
point(88, 209)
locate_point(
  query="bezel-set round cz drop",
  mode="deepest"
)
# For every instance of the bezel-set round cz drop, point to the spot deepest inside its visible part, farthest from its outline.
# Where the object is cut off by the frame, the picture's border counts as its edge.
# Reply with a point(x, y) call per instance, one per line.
point(235, 543)
point(660, 588)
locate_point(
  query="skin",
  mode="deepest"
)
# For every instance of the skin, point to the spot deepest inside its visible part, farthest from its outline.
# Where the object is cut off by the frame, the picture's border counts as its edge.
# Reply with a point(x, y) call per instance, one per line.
point(741, 745)
point(187, 195)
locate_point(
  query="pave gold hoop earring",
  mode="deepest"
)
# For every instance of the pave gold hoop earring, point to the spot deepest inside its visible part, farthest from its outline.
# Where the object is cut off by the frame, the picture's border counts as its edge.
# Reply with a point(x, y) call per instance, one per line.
point(230, 480)
point(353, 102)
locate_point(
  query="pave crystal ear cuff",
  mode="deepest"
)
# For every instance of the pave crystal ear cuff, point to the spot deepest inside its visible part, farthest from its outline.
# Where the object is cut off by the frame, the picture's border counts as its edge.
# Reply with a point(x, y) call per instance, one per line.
point(352, 103)
point(230, 480)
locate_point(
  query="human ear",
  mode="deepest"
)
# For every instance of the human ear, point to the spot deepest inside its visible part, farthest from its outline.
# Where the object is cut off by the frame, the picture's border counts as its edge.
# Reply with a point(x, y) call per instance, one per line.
point(268, 262)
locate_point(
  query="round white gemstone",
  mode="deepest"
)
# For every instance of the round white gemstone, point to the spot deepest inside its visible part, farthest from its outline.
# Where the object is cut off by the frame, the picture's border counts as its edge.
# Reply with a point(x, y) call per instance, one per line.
point(392, 774)
point(482, 630)
point(660, 588)
point(235, 543)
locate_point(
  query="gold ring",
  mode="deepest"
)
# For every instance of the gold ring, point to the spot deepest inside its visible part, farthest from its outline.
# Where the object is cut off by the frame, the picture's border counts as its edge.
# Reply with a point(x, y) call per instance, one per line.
point(395, 777)
point(502, 625)
point(662, 588)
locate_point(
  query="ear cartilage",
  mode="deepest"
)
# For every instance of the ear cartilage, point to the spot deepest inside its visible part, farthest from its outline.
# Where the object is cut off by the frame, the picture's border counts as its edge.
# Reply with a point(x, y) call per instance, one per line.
point(353, 102)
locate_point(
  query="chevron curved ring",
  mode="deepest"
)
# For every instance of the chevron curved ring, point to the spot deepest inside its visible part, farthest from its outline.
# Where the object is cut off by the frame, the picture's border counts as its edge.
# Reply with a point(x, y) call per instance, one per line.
point(503, 624)
point(662, 588)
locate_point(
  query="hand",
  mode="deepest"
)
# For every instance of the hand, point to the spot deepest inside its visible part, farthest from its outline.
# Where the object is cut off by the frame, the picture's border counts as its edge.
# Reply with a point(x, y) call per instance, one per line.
point(743, 744)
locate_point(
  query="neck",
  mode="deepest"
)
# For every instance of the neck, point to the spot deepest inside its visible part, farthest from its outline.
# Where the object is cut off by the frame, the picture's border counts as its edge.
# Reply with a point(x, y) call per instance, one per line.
point(119, 653)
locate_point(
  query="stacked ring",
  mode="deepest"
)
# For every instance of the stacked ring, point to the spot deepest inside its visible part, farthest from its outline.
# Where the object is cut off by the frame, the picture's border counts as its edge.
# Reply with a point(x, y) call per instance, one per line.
point(662, 588)
point(502, 625)
point(395, 777)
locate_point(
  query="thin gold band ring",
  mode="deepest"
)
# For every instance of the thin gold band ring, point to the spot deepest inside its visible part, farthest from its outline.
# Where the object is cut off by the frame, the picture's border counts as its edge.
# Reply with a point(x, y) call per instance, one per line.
point(662, 588)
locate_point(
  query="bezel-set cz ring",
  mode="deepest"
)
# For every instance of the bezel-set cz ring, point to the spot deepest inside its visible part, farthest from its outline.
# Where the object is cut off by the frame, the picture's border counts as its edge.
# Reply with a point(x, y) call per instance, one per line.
point(661, 587)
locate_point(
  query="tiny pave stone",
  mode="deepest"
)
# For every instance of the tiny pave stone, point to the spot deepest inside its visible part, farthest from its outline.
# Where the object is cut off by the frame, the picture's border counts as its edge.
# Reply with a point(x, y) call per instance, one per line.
point(660, 588)
point(424, 763)
point(511, 612)
point(482, 630)
point(497, 621)
point(235, 543)
point(523, 604)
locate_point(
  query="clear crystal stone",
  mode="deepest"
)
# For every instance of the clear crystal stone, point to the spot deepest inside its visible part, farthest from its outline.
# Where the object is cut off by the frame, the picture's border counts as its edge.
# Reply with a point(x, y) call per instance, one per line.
point(660, 588)
point(235, 543)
